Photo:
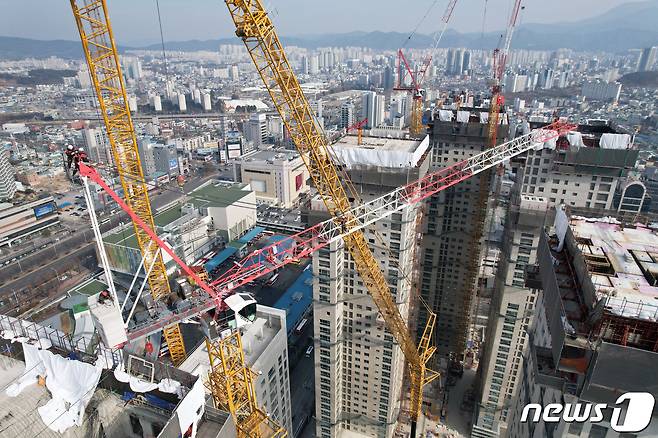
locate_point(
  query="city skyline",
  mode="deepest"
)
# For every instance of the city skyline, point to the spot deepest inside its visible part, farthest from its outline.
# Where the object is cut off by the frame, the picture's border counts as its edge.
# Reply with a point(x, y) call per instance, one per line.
point(137, 24)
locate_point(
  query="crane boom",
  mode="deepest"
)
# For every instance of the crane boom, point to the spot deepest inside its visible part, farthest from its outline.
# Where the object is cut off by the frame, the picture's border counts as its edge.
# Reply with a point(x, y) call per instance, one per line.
point(256, 30)
point(100, 51)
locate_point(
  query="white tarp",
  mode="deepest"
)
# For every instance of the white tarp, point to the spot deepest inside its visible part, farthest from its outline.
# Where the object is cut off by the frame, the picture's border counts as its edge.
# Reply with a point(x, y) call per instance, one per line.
point(445, 115)
point(575, 139)
point(615, 141)
point(380, 156)
point(191, 408)
point(139, 385)
point(463, 116)
point(169, 386)
point(71, 383)
point(484, 117)
point(561, 225)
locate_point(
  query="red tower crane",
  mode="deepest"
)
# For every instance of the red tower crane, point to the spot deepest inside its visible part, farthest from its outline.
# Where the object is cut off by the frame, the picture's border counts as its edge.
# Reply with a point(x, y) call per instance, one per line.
point(359, 128)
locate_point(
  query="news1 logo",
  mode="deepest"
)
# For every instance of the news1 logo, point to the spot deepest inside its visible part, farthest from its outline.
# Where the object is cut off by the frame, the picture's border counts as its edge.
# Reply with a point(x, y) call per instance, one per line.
point(638, 412)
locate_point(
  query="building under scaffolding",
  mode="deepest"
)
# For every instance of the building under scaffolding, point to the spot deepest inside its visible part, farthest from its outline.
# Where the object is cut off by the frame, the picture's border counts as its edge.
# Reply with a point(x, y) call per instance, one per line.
point(596, 329)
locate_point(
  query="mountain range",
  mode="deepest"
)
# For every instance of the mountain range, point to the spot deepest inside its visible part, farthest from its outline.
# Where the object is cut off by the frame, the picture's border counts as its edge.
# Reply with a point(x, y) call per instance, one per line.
point(629, 26)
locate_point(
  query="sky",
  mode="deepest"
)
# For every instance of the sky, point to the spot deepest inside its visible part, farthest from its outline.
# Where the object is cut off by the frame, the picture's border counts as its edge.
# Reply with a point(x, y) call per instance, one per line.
point(135, 21)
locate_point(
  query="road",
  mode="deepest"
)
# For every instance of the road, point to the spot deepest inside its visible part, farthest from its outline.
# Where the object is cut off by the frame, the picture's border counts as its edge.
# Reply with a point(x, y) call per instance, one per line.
point(31, 272)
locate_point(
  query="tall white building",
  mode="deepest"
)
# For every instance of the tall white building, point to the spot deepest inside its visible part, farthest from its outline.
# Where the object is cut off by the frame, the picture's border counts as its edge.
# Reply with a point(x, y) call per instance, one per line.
point(182, 103)
point(206, 102)
point(347, 115)
point(647, 59)
point(256, 131)
point(156, 102)
point(358, 367)
point(7, 177)
point(97, 145)
point(372, 108)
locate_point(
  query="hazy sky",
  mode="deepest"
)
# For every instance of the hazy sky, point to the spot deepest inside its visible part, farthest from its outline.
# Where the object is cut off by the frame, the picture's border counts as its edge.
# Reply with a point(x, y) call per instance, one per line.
point(135, 21)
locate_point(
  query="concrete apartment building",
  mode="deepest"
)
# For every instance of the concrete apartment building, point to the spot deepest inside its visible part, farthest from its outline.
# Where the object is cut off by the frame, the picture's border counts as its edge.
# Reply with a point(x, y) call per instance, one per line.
point(358, 368)
point(278, 176)
point(449, 221)
point(265, 346)
point(579, 170)
point(595, 331)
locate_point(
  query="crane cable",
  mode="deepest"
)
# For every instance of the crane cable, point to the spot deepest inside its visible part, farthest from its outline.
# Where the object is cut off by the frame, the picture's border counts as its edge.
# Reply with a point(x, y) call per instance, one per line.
point(413, 32)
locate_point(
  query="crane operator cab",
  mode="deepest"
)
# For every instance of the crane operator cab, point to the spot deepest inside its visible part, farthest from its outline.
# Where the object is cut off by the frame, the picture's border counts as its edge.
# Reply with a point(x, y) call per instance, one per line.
point(241, 310)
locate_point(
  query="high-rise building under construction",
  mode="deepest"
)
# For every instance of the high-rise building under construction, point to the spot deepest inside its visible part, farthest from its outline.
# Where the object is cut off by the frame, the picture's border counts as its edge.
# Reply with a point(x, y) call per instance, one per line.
point(359, 369)
point(449, 257)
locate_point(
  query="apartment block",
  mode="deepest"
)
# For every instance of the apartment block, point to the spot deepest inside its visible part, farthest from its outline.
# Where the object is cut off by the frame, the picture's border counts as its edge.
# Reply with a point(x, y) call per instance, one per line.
point(582, 170)
point(7, 177)
point(511, 311)
point(358, 367)
point(447, 282)
point(595, 331)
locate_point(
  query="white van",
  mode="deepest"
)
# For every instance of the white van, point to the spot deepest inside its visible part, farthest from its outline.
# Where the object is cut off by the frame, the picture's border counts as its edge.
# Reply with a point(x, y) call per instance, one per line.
point(309, 351)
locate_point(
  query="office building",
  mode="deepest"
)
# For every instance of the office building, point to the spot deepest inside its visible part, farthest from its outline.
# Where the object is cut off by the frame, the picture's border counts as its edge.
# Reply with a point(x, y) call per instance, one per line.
point(369, 108)
point(278, 176)
point(256, 130)
point(595, 329)
point(448, 253)
point(18, 221)
point(582, 171)
point(265, 347)
point(600, 90)
point(358, 368)
point(7, 177)
point(346, 115)
point(145, 148)
point(647, 59)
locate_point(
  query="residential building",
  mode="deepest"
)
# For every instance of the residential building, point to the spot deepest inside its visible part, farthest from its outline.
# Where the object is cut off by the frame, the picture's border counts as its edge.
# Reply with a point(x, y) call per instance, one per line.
point(511, 310)
point(647, 59)
point(582, 171)
point(448, 283)
point(358, 367)
point(595, 328)
point(265, 347)
point(278, 176)
point(346, 115)
point(7, 178)
point(600, 90)
point(18, 221)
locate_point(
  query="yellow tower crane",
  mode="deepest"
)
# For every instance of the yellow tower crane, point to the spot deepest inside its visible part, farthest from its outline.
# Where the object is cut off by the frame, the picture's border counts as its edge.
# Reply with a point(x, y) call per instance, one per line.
point(102, 58)
point(256, 30)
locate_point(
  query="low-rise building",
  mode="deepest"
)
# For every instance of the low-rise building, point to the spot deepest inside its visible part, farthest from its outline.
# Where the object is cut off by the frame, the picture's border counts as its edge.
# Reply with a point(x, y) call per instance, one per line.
point(278, 176)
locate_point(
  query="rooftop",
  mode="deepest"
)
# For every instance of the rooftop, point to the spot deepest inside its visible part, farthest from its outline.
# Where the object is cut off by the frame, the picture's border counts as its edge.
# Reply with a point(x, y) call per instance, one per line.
point(218, 194)
point(622, 263)
point(380, 151)
point(270, 155)
point(126, 236)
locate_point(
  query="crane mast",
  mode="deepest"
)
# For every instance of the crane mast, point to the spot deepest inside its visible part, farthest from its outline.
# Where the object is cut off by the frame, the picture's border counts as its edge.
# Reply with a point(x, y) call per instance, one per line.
point(102, 58)
point(256, 30)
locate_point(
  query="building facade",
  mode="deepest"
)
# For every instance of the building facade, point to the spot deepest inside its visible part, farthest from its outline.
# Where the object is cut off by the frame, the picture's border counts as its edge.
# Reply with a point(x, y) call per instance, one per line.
point(358, 367)
point(7, 177)
point(18, 221)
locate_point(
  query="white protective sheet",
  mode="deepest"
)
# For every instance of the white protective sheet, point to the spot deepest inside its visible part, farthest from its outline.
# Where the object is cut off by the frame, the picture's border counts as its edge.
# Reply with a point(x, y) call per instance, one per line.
point(445, 115)
point(463, 116)
point(484, 117)
point(615, 141)
point(169, 386)
point(71, 383)
point(139, 385)
point(575, 139)
point(561, 225)
point(33, 368)
point(191, 408)
point(379, 156)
